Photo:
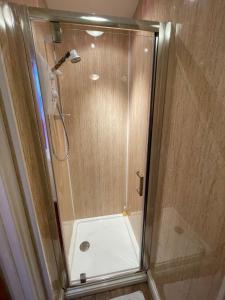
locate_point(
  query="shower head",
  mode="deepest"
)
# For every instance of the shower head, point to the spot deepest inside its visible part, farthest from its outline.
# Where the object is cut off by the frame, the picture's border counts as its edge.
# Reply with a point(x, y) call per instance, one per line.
point(72, 55)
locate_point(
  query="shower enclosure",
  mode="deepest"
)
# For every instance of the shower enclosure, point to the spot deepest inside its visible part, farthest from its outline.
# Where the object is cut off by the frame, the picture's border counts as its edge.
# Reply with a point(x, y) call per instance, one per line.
point(98, 116)
point(99, 85)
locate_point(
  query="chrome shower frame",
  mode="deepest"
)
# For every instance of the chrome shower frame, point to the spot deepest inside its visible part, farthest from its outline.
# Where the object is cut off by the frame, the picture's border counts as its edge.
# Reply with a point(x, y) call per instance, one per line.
point(162, 34)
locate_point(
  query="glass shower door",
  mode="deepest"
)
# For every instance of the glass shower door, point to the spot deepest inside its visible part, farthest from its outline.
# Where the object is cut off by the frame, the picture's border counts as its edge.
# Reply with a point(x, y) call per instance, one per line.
point(98, 116)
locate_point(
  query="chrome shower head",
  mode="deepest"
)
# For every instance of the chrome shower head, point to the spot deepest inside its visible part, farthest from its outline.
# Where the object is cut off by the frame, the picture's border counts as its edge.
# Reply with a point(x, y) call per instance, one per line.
point(72, 55)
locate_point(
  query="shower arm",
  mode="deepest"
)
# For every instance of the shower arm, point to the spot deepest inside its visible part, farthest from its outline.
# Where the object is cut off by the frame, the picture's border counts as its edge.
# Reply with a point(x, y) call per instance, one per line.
point(61, 61)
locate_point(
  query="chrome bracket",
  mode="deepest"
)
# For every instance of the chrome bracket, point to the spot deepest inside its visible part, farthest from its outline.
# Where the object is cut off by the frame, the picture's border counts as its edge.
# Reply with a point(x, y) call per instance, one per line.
point(56, 32)
point(83, 278)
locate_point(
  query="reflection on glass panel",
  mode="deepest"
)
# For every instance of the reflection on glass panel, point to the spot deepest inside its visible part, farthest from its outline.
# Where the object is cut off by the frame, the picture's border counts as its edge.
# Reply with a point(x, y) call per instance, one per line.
point(184, 262)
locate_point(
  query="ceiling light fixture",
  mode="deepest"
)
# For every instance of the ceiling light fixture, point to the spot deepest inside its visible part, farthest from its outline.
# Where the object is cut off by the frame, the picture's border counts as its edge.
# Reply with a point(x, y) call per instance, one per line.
point(94, 33)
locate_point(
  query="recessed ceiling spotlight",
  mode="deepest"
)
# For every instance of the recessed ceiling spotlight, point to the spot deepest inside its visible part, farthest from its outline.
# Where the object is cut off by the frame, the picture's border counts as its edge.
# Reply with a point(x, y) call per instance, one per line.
point(146, 50)
point(94, 77)
point(94, 33)
point(94, 18)
point(92, 45)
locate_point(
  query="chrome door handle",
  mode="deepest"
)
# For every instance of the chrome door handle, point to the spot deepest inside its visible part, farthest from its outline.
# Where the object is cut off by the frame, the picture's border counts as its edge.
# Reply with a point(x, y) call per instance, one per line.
point(141, 184)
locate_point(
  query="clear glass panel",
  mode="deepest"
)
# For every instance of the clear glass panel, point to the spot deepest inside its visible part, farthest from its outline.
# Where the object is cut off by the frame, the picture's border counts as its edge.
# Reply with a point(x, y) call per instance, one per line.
point(98, 116)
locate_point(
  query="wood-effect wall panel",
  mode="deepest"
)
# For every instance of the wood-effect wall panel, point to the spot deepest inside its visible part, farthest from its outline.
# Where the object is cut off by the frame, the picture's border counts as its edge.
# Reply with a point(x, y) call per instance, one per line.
point(44, 48)
point(45, 58)
point(187, 253)
point(33, 3)
point(97, 125)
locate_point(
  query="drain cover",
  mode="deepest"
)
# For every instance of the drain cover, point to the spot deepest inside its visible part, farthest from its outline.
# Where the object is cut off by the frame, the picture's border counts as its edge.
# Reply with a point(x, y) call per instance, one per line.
point(84, 246)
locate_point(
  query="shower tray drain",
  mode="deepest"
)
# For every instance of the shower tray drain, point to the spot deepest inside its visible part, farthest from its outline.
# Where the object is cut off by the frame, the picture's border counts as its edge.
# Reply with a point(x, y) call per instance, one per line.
point(84, 246)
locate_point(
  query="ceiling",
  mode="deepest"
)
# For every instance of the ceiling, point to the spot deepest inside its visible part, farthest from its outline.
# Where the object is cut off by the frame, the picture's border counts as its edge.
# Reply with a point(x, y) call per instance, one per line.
point(120, 8)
